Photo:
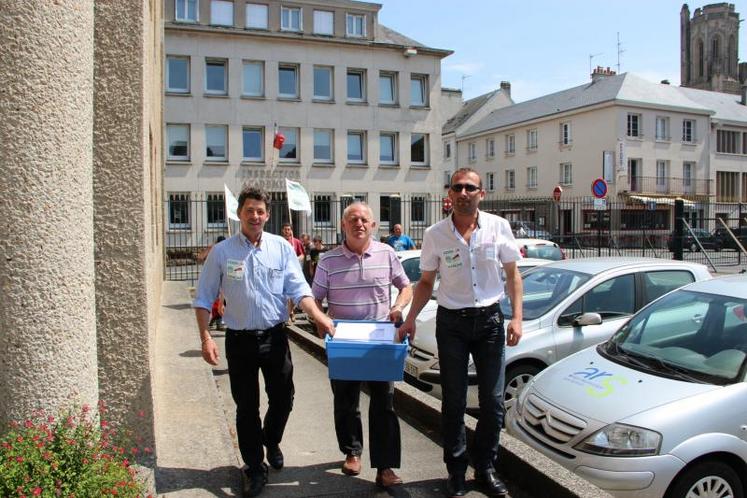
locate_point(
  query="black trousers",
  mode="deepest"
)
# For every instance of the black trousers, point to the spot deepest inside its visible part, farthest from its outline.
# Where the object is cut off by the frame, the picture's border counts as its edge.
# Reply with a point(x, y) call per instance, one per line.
point(247, 353)
point(383, 424)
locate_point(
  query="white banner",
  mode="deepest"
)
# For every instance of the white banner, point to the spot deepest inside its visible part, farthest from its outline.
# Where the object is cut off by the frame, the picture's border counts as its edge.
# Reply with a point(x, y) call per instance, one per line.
point(622, 167)
point(298, 199)
point(232, 204)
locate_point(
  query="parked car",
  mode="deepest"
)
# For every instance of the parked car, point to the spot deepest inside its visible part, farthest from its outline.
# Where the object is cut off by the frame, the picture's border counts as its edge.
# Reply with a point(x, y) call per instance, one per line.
point(525, 229)
point(707, 239)
point(541, 249)
point(568, 306)
point(657, 410)
point(727, 241)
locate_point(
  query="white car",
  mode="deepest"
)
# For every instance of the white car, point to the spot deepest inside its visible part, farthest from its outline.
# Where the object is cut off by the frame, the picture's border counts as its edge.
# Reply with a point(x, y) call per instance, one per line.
point(568, 306)
point(660, 409)
point(540, 248)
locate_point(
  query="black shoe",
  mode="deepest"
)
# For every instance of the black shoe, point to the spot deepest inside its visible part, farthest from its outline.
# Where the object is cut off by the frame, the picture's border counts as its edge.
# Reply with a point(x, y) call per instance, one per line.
point(253, 481)
point(491, 484)
point(455, 485)
point(275, 457)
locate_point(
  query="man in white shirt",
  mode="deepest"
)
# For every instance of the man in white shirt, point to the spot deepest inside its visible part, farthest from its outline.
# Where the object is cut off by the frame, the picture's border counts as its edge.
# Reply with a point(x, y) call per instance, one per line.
point(467, 250)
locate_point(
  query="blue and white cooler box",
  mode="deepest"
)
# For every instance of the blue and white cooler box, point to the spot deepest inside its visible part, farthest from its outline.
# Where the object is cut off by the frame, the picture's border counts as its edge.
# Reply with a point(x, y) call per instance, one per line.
point(363, 350)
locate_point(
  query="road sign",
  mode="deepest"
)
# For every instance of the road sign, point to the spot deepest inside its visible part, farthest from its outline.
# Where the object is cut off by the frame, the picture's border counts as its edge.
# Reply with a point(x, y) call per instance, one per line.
point(651, 205)
point(600, 204)
point(599, 188)
point(556, 193)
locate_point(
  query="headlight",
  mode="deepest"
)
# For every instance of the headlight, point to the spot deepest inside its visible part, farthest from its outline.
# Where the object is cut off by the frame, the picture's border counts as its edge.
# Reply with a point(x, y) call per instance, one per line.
point(622, 440)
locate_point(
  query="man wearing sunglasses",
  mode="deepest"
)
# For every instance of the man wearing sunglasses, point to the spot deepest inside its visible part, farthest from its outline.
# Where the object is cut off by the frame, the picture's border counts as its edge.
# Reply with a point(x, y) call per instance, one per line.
point(467, 250)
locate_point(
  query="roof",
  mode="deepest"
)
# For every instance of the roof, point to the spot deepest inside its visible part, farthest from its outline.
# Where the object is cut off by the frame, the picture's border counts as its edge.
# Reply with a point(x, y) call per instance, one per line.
point(624, 88)
point(594, 266)
point(730, 285)
point(469, 108)
point(387, 36)
point(727, 106)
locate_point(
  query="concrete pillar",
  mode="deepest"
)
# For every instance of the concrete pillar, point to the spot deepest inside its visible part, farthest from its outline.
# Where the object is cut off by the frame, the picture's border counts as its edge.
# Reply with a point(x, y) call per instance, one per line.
point(47, 316)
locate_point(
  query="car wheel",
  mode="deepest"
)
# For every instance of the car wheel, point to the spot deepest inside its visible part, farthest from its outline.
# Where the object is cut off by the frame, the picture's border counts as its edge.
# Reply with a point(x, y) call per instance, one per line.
point(516, 379)
point(708, 479)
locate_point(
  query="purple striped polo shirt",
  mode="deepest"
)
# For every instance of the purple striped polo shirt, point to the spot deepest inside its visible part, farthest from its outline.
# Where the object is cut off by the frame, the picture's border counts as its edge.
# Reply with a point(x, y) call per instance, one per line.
point(358, 287)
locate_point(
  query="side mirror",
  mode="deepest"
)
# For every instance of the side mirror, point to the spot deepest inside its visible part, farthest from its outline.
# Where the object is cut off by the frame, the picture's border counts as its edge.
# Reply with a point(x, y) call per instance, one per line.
point(588, 319)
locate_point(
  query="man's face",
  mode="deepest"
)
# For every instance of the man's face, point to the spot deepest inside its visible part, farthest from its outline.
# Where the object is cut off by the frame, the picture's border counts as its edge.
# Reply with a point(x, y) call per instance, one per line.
point(465, 202)
point(253, 216)
point(287, 232)
point(358, 225)
point(397, 230)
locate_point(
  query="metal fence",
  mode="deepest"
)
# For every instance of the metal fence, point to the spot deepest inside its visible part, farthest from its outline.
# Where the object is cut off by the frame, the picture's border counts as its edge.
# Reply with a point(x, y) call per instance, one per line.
point(637, 227)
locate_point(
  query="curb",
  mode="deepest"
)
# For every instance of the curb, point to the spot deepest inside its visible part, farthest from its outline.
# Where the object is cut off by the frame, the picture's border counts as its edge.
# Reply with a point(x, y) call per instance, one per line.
point(530, 470)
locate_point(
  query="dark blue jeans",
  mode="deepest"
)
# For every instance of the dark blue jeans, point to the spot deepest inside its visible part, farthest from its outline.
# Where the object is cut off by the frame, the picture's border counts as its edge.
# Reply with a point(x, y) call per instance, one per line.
point(481, 334)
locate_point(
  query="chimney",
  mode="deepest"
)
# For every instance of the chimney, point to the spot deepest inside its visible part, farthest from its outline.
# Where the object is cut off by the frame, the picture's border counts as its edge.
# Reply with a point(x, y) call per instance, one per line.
point(506, 88)
point(743, 100)
point(601, 73)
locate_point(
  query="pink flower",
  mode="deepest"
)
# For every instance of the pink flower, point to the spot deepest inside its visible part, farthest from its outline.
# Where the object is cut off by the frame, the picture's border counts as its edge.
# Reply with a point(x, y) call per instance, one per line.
point(19, 439)
point(19, 459)
point(50, 419)
point(28, 424)
point(37, 491)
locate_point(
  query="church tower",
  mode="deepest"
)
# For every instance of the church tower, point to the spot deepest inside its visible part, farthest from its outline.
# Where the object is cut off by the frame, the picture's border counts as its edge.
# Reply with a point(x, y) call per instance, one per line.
point(709, 48)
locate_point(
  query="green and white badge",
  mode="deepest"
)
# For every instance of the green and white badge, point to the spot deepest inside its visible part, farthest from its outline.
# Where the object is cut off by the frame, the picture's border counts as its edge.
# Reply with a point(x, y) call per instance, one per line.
point(235, 269)
point(452, 258)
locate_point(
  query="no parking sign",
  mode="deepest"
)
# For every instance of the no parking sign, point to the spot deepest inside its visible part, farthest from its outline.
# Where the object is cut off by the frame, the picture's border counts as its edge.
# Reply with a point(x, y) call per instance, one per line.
point(599, 188)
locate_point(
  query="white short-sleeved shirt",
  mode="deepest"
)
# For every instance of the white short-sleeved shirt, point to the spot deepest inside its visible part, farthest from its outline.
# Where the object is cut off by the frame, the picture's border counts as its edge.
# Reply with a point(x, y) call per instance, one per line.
point(470, 274)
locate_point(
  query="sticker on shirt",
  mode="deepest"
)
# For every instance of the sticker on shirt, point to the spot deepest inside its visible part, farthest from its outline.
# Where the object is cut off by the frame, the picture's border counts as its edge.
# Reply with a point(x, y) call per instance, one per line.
point(452, 258)
point(235, 269)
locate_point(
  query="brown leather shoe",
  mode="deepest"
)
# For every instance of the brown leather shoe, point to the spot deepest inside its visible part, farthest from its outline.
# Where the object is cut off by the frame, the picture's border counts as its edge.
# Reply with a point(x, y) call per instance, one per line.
point(352, 465)
point(386, 478)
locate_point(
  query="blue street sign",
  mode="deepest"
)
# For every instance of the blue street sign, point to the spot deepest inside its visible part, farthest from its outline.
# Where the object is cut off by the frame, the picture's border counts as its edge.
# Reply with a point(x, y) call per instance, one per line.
point(599, 188)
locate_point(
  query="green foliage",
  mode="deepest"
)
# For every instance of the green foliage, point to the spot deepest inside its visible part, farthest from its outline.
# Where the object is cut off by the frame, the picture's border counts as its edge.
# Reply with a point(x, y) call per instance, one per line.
point(79, 455)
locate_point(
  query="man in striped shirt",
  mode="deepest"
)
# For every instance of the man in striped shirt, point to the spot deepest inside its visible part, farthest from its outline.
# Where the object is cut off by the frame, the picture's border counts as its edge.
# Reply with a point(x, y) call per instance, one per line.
point(356, 279)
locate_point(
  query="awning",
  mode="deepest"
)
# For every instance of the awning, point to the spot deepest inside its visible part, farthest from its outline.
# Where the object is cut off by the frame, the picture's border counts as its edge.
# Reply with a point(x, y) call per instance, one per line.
point(669, 201)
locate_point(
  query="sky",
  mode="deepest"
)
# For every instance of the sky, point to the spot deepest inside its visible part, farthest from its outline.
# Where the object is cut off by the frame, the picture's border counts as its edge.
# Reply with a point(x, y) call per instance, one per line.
point(543, 46)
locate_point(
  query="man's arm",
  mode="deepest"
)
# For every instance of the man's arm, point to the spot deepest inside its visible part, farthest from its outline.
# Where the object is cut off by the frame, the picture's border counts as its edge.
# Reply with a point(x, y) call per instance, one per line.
point(209, 348)
point(313, 309)
point(403, 299)
point(422, 293)
point(515, 289)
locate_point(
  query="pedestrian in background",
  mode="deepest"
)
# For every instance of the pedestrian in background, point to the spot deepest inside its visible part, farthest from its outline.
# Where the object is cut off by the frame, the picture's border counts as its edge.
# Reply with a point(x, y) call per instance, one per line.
point(287, 232)
point(257, 272)
point(356, 279)
point(467, 250)
point(400, 241)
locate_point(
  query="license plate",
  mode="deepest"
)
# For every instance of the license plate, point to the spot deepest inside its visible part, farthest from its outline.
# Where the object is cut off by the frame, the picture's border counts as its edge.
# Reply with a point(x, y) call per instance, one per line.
point(411, 369)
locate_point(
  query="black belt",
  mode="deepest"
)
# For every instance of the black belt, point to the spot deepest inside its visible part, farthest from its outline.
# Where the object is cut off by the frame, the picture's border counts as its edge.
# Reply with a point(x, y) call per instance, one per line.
point(473, 312)
point(258, 333)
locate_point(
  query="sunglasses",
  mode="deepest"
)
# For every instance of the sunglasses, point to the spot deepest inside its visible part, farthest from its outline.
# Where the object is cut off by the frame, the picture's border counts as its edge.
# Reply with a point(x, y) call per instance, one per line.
point(457, 187)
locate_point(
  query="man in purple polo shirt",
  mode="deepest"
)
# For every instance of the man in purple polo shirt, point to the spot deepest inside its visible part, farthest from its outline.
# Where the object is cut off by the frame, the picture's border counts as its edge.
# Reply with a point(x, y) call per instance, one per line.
point(356, 279)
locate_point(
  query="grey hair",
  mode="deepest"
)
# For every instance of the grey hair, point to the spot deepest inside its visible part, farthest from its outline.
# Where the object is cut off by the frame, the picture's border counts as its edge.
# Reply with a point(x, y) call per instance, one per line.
point(355, 205)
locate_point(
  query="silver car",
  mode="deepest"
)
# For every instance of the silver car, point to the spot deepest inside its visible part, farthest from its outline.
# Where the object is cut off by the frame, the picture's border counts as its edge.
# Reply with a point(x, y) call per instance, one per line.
point(568, 306)
point(660, 409)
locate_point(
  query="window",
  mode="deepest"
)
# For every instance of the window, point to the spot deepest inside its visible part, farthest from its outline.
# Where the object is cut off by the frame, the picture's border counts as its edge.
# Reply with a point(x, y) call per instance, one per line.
point(256, 16)
point(254, 79)
point(688, 131)
point(417, 209)
point(322, 209)
point(289, 152)
point(532, 177)
point(178, 137)
point(472, 152)
point(356, 85)
point(387, 88)
point(216, 137)
point(613, 299)
point(566, 174)
point(388, 148)
point(252, 144)
point(290, 19)
point(490, 182)
point(216, 76)
point(727, 186)
point(447, 150)
point(510, 179)
point(324, 22)
point(490, 147)
point(221, 13)
point(661, 173)
point(688, 168)
point(179, 210)
point(186, 10)
point(177, 74)
point(323, 82)
point(323, 145)
point(727, 141)
point(510, 144)
point(662, 128)
point(419, 149)
point(288, 81)
point(565, 133)
point(356, 147)
point(355, 25)
point(634, 125)
point(532, 139)
point(419, 90)
point(216, 210)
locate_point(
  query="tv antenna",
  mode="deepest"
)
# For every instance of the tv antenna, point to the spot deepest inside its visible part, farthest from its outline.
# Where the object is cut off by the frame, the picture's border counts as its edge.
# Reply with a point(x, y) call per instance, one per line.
point(620, 50)
point(591, 56)
point(464, 77)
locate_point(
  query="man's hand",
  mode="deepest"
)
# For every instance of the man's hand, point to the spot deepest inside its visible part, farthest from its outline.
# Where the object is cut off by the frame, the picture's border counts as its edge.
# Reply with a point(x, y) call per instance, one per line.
point(395, 314)
point(210, 351)
point(513, 332)
point(407, 329)
point(324, 325)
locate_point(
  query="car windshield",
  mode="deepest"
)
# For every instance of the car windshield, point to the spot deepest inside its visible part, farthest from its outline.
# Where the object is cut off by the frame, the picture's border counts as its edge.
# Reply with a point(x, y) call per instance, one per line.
point(546, 251)
point(686, 335)
point(544, 288)
point(412, 269)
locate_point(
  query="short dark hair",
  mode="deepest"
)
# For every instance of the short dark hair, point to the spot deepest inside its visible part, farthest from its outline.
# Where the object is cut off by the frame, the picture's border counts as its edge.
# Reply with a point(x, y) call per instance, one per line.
point(286, 224)
point(220, 238)
point(255, 193)
point(464, 171)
